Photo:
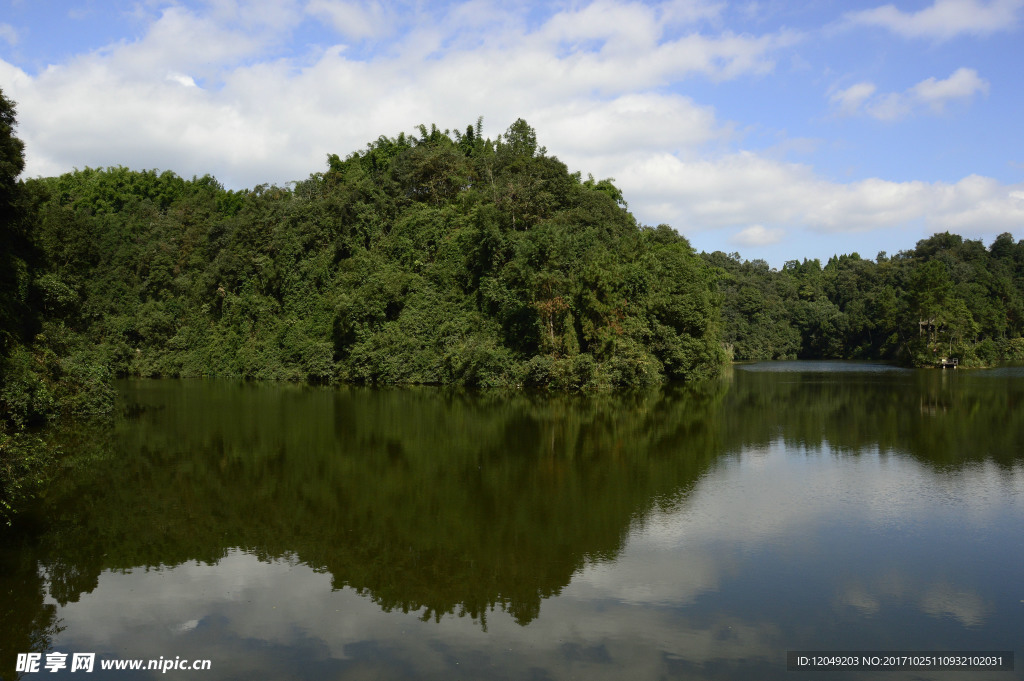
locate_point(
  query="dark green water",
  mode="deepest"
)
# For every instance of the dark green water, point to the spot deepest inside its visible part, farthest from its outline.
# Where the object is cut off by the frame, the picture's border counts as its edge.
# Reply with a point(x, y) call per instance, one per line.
point(287, 532)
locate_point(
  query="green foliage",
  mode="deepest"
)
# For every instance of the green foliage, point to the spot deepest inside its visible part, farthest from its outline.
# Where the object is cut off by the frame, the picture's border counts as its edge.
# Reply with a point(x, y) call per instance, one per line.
point(44, 368)
point(24, 395)
point(38, 382)
point(949, 297)
point(16, 252)
point(25, 464)
point(432, 258)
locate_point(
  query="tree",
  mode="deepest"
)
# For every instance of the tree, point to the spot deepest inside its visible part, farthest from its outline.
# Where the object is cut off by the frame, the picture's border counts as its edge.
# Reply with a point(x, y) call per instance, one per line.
point(930, 289)
point(16, 253)
point(520, 140)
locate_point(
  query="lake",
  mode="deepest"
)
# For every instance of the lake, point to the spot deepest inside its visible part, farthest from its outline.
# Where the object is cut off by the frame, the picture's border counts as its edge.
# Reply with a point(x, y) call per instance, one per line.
point(691, 532)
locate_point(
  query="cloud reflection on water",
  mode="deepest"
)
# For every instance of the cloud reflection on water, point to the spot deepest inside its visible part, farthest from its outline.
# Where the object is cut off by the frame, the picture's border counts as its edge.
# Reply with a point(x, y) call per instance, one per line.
point(701, 583)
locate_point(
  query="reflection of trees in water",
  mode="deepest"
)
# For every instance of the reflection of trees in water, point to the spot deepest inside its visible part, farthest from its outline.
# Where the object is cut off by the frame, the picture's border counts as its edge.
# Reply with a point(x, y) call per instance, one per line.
point(26, 623)
point(425, 500)
point(940, 418)
point(445, 502)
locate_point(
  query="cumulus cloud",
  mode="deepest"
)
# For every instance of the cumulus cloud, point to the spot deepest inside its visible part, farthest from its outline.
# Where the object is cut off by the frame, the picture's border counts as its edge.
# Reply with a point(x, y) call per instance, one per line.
point(930, 95)
point(257, 119)
point(743, 189)
point(181, 79)
point(623, 126)
point(963, 84)
point(850, 99)
point(758, 235)
point(943, 19)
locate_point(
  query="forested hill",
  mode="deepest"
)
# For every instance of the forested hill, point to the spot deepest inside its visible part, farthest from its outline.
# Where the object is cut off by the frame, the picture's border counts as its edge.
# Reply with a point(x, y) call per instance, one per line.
point(440, 258)
point(947, 297)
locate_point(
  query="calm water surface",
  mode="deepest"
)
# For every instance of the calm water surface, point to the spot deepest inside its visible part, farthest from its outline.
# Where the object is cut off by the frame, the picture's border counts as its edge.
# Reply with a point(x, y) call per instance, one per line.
point(287, 532)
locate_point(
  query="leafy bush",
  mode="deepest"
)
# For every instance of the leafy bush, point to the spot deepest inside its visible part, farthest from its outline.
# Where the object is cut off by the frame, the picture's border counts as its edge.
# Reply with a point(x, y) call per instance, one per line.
point(25, 464)
point(25, 397)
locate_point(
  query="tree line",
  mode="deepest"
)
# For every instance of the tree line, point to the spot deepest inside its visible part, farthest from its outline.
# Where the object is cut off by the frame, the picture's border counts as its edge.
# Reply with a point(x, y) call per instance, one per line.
point(946, 297)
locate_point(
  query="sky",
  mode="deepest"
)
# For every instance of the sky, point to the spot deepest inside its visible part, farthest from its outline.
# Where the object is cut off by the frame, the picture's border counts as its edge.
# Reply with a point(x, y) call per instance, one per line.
point(776, 129)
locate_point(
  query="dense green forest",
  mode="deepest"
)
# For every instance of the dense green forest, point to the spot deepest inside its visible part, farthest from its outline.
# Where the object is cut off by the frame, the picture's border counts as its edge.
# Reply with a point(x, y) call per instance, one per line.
point(441, 257)
point(948, 297)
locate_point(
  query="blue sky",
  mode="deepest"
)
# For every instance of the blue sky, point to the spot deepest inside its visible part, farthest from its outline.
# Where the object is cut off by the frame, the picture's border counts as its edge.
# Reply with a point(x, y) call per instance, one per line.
point(776, 129)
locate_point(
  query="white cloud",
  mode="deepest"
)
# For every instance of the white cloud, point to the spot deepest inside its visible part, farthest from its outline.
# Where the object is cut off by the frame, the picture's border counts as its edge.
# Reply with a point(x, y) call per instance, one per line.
point(943, 19)
point(890, 106)
point(743, 189)
point(11, 77)
point(963, 84)
point(179, 40)
point(181, 79)
point(758, 235)
point(689, 11)
point(625, 27)
point(628, 125)
point(930, 94)
point(8, 34)
point(263, 15)
point(850, 99)
point(354, 20)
